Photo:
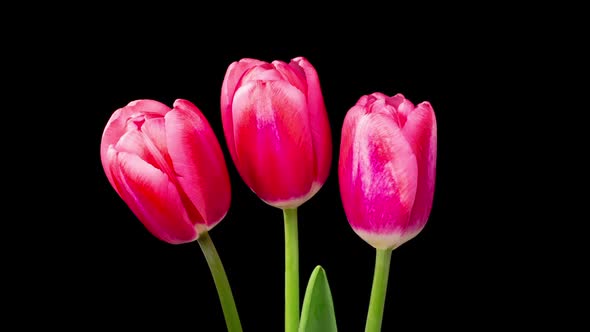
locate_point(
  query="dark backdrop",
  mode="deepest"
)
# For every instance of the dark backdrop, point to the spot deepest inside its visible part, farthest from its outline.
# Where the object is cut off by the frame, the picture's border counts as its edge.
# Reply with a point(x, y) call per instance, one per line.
point(433, 277)
point(96, 265)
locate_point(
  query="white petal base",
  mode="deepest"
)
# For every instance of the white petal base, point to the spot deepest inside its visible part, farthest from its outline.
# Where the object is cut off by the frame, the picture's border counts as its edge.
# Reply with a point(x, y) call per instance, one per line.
point(296, 201)
point(386, 241)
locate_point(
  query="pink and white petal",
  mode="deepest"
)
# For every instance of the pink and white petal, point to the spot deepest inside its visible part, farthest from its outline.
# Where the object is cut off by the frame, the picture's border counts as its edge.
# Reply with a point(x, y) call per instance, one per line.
point(198, 162)
point(347, 172)
point(153, 198)
point(233, 76)
point(117, 124)
point(147, 107)
point(154, 131)
point(395, 100)
point(421, 132)
point(384, 107)
point(133, 142)
point(404, 109)
point(228, 130)
point(384, 174)
point(318, 120)
point(293, 74)
point(262, 72)
point(367, 100)
point(380, 106)
point(273, 141)
point(109, 162)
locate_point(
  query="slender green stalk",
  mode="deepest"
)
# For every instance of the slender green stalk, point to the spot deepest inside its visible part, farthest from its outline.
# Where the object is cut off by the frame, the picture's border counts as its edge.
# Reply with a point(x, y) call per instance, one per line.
point(377, 302)
point(291, 271)
point(232, 320)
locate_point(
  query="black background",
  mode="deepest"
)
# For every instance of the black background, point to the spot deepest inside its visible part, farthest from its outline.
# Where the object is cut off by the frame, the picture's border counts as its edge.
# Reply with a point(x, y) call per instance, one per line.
point(172, 283)
point(91, 263)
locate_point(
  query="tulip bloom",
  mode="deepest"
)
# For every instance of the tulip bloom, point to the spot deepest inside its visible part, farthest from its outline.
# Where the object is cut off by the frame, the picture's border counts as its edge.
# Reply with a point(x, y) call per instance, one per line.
point(387, 168)
point(276, 128)
point(168, 167)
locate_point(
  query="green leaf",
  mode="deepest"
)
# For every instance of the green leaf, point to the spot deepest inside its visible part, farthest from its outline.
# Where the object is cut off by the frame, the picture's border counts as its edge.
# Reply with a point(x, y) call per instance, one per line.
point(317, 314)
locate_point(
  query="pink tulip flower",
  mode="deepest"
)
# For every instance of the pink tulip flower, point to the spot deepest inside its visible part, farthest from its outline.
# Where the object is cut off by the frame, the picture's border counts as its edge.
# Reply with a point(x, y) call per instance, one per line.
point(387, 168)
point(276, 128)
point(168, 167)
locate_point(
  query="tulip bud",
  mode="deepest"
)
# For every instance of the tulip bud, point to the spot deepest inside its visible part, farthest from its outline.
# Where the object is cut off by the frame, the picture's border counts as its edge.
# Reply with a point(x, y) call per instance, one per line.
point(276, 128)
point(387, 167)
point(168, 167)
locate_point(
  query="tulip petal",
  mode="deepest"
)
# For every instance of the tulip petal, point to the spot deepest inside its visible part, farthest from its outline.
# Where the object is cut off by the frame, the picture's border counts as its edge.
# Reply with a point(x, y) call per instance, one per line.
point(273, 141)
point(318, 120)
point(378, 175)
point(233, 75)
point(261, 72)
point(133, 142)
point(152, 197)
point(198, 162)
point(395, 100)
point(420, 131)
point(292, 73)
point(155, 133)
point(148, 144)
point(117, 124)
point(345, 166)
point(402, 107)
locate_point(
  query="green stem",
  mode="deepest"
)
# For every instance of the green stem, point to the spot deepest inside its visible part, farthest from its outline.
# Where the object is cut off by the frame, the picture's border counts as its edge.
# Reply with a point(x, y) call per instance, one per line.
point(377, 302)
point(232, 320)
point(291, 271)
